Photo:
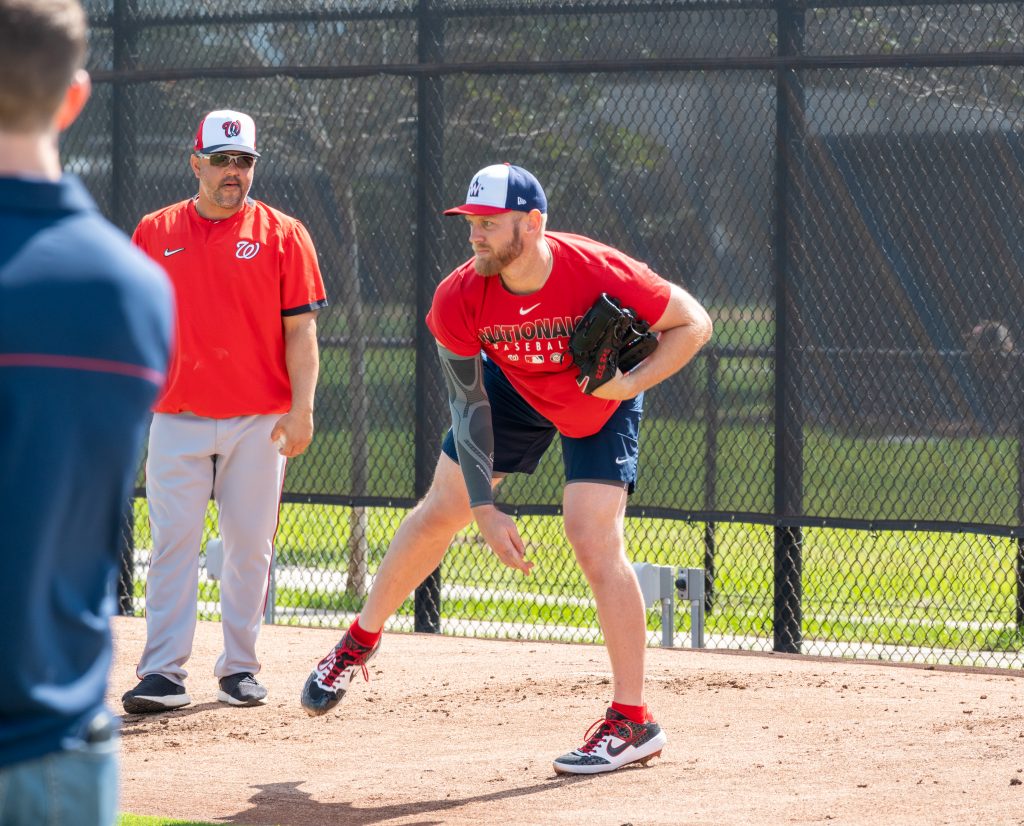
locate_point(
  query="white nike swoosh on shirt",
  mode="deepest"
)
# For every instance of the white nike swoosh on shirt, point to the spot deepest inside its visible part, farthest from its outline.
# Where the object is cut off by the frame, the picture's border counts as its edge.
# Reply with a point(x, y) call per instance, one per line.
point(525, 310)
point(168, 253)
point(621, 460)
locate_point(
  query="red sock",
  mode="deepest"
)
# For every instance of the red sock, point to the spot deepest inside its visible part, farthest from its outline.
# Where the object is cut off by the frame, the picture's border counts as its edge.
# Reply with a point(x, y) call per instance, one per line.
point(637, 714)
point(367, 639)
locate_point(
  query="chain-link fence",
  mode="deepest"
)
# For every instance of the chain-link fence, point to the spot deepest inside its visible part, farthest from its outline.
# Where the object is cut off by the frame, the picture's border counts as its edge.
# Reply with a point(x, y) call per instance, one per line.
point(841, 185)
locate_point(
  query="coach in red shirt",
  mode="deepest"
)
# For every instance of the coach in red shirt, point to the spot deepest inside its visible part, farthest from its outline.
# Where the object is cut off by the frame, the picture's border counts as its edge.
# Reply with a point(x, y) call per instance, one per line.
point(238, 402)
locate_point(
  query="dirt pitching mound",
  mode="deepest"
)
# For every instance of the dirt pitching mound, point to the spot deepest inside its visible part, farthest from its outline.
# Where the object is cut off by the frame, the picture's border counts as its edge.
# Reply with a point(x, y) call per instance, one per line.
point(462, 731)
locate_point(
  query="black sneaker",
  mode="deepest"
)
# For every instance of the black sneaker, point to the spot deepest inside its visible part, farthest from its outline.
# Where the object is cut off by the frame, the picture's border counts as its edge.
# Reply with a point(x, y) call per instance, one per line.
point(331, 678)
point(613, 742)
point(153, 694)
point(241, 690)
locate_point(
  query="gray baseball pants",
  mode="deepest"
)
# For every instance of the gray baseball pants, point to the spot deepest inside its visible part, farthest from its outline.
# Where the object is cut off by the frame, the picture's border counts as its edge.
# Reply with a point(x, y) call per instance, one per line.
point(188, 457)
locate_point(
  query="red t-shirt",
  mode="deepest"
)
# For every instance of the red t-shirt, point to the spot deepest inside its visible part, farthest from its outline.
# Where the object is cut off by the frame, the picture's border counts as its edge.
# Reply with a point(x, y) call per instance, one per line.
point(233, 281)
point(528, 335)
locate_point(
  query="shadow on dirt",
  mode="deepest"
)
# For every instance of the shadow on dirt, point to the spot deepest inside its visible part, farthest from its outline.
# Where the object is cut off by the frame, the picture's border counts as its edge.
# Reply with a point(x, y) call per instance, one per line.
point(142, 723)
point(285, 804)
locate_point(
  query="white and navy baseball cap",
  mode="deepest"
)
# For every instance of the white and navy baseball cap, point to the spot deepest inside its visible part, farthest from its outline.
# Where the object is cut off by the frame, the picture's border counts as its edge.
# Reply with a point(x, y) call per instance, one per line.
point(502, 188)
point(225, 130)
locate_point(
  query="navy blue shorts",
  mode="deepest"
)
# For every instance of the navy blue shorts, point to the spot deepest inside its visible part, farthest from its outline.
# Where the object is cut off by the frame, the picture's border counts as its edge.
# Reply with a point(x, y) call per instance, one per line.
point(521, 435)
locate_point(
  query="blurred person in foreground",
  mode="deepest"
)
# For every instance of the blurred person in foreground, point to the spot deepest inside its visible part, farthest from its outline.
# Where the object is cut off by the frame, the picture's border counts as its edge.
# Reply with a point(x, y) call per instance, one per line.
point(85, 327)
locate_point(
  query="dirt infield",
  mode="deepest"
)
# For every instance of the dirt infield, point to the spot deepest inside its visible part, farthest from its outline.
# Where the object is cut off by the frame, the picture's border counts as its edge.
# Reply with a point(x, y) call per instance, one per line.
point(455, 731)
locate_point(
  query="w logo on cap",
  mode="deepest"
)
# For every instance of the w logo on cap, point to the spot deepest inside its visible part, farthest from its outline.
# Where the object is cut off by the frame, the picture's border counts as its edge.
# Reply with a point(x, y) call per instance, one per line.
point(232, 128)
point(474, 188)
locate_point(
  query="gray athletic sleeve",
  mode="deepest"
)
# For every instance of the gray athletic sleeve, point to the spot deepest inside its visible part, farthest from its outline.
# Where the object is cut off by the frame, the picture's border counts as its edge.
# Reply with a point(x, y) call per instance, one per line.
point(471, 422)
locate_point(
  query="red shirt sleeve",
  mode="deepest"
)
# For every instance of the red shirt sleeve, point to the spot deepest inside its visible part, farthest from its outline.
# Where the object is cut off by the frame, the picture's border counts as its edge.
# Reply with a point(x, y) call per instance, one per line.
point(637, 286)
point(302, 285)
point(448, 319)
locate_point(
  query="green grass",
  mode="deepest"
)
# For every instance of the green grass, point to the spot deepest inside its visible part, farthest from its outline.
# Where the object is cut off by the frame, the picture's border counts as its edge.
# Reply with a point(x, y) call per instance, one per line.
point(933, 590)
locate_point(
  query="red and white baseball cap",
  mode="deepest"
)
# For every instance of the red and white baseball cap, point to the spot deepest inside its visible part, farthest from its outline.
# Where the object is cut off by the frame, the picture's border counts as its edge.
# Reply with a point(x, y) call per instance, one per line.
point(502, 188)
point(226, 131)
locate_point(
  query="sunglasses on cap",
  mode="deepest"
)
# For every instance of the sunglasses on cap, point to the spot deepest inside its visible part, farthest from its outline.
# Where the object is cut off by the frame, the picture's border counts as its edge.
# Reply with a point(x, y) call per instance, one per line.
point(223, 159)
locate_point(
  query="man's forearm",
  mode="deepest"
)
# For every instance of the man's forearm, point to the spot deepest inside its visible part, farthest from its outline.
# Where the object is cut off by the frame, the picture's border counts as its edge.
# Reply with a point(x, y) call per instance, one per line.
point(684, 329)
point(471, 423)
point(676, 349)
point(302, 360)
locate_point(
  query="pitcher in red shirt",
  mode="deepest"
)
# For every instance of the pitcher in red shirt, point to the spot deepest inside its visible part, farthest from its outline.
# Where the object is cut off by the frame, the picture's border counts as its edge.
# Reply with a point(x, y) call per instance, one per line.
point(238, 402)
point(502, 323)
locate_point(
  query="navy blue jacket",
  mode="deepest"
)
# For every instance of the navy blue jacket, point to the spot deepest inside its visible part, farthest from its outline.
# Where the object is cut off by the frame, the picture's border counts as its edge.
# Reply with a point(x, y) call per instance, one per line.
point(85, 327)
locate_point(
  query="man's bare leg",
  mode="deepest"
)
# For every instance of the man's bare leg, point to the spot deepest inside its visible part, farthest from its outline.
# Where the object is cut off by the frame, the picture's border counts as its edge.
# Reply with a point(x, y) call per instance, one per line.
point(416, 549)
point(419, 544)
point(594, 516)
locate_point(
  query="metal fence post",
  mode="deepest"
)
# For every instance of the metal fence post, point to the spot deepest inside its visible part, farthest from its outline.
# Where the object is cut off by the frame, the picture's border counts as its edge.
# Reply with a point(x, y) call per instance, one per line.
point(710, 475)
point(125, 578)
point(430, 403)
point(122, 177)
point(123, 154)
point(1019, 568)
point(791, 130)
point(1017, 373)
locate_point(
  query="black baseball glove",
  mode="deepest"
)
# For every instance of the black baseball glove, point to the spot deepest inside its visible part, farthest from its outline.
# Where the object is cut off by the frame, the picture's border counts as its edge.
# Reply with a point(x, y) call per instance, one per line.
point(609, 337)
